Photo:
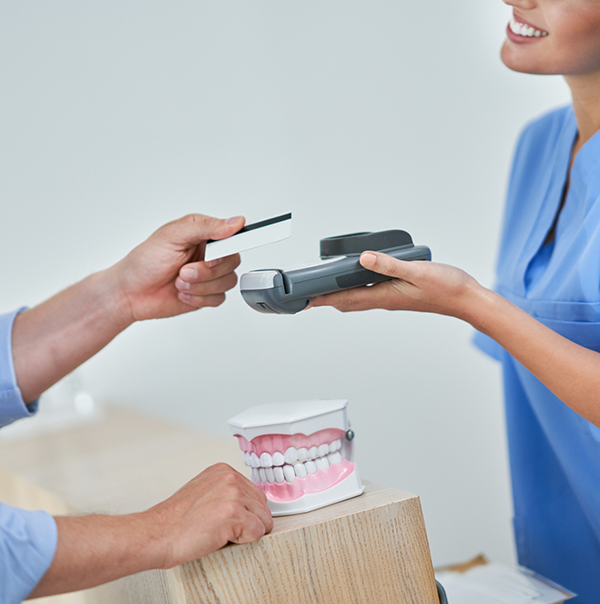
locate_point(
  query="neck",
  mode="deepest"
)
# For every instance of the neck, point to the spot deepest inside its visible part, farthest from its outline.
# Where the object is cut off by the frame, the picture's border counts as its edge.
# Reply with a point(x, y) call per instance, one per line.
point(585, 91)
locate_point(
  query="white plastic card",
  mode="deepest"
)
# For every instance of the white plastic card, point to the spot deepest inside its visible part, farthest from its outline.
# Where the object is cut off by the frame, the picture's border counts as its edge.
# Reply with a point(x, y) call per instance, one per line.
point(251, 236)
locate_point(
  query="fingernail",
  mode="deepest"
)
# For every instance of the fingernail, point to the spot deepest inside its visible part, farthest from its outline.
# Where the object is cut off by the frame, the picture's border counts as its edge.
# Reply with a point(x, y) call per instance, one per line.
point(179, 284)
point(184, 297)
point(188, 274)
point(234, 219)
point(211, 263)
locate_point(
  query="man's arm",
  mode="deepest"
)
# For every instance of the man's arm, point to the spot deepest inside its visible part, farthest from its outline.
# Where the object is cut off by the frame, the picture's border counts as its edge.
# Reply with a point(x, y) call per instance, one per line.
point(162, 277)
point(217, 507)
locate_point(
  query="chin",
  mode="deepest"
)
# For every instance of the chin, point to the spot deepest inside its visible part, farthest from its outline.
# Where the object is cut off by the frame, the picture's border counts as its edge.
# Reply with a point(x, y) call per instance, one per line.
point(515, 60)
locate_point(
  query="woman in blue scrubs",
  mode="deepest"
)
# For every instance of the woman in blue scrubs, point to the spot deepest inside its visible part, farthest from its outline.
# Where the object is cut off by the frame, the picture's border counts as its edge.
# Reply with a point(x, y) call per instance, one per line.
point(542, 322)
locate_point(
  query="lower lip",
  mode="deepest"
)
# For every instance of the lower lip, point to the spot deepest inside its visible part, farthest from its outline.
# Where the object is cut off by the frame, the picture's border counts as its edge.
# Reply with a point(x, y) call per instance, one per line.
point(513, 37)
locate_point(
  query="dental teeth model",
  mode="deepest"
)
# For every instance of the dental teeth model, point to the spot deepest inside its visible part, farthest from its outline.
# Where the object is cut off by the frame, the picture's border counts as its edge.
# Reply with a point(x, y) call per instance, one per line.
point(299, 454)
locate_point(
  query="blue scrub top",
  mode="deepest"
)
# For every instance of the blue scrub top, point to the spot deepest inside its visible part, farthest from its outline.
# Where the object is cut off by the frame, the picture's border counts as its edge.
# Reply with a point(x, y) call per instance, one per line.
point(554, 452)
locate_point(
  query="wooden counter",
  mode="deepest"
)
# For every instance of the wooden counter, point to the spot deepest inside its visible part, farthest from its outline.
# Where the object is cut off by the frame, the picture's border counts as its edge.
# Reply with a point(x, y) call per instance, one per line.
point(370, 549)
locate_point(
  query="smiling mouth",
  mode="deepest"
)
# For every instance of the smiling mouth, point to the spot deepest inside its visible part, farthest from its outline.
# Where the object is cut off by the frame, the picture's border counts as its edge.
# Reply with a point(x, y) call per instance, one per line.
point(525, 30)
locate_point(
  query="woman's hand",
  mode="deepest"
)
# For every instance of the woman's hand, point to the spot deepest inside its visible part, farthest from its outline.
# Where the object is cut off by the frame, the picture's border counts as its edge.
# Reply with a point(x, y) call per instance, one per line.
point(417, 285)
point(166, 275)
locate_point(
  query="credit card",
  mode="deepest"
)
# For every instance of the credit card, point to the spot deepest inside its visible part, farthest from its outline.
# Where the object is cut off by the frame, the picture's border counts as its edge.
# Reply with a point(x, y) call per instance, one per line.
point(251, 236)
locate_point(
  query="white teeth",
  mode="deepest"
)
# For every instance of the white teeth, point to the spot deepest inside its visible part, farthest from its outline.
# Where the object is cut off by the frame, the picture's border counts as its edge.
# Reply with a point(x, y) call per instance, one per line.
point(291, 455)
point(266, 461)
point(526, 30)
point(311, 467)
point(300, 470)
point(288, 472)
point(322, 463)
point(294, 463)
point(335, 458)
point(279, 476)
point(278, 459)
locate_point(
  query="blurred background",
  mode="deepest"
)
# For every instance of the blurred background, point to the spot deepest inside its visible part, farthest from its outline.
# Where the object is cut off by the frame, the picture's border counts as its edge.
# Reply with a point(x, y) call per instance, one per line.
point(116, 117)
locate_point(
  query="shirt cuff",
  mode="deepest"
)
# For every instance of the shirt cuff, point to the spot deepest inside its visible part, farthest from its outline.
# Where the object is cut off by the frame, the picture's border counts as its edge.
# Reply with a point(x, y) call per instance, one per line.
point(27, 546)
point(12, 405)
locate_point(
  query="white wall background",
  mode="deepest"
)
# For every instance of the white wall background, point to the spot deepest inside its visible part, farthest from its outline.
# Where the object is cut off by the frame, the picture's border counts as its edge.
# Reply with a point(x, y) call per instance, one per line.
point(118, 116)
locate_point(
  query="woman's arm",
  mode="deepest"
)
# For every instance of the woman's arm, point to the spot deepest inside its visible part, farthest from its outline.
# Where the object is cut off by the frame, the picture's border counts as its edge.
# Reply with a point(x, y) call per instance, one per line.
point(162, 277)
point(570, 371)
point(217, 507)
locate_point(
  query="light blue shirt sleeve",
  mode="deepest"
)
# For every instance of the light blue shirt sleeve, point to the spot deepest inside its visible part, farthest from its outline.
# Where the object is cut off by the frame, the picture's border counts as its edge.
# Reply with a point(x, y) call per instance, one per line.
point(12, 406)
point(27, 539)
point(27, 546)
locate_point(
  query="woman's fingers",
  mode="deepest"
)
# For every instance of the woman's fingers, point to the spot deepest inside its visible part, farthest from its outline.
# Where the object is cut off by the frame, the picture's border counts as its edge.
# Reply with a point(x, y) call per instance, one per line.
point(359, 298)
point(386, 265)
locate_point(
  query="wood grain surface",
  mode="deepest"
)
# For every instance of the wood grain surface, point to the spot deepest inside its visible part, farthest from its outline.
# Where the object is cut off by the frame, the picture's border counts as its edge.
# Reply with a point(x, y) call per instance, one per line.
point(370, 549)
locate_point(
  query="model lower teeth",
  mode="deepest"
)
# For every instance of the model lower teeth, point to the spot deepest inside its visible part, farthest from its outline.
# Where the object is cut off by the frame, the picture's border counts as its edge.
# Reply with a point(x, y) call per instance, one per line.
point(526, 30)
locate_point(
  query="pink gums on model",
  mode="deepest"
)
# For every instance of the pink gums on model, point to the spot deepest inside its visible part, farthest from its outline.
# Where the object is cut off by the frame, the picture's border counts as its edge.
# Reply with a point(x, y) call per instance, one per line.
point(312, 483)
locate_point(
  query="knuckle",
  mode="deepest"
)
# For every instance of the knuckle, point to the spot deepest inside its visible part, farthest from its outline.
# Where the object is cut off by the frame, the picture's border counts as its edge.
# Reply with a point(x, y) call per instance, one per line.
point(228, 476)
point(231, 477)
point(196, 218)
point(230, 510)
point(221, 467)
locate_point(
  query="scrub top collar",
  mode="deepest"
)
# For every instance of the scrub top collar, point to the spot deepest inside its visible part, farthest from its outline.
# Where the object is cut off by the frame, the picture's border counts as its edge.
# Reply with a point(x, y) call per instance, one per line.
point(523, 239)
point(551, 197)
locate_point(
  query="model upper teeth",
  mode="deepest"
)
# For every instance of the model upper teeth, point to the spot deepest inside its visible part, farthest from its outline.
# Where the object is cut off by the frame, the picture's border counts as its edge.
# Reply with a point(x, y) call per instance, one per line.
point(521, 29)
point(293, 463)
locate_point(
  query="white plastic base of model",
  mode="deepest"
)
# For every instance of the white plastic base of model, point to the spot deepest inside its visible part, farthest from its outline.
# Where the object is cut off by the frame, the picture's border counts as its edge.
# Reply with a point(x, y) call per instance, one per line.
point(350, 487)
point(241, 242)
